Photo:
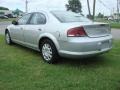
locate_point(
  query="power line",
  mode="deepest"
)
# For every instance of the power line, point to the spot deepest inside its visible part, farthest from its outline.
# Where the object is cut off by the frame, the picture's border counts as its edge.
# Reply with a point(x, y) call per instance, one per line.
point(104, 4)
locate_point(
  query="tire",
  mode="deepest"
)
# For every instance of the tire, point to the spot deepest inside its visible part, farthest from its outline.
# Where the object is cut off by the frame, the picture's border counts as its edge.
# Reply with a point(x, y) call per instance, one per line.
point(49, 51)
point(8, 38)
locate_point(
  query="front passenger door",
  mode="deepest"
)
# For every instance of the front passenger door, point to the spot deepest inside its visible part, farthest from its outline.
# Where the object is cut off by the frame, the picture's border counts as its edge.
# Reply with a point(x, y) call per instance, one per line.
point(18, 30)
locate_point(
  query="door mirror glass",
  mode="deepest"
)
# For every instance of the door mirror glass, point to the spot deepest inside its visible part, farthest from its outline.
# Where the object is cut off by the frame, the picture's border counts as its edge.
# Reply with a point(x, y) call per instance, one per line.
point(14, 22)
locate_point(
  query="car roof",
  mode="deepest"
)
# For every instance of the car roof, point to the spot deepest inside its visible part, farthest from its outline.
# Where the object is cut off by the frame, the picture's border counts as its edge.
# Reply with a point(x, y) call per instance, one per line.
point(47, 10)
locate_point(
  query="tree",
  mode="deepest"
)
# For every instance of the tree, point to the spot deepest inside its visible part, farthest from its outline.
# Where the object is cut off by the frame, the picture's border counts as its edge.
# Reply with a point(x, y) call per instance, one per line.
point(2, 13)
point(74, 6)
point(100, 15)
point(90, 16)
point(17, 12)
point(3, 8)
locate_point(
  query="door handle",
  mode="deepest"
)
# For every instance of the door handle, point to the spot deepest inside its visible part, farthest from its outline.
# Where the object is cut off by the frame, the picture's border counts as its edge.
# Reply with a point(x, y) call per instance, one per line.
point(40, 29)
point(21, 28)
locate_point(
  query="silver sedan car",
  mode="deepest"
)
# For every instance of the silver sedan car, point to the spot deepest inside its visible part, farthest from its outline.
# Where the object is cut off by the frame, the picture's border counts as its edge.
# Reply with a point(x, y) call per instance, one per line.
point(60, 33)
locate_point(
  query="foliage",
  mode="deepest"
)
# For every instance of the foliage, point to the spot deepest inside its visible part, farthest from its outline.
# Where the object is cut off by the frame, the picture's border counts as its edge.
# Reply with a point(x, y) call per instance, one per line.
point(74, 6)
point(100, 15)
point(17, 12)
point(2, 13)
point(90, 16)
point(3, 8)
point(113, 24)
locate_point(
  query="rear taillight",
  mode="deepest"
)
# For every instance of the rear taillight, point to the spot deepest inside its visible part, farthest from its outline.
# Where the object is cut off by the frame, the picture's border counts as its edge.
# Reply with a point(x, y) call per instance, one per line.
point(76, 32)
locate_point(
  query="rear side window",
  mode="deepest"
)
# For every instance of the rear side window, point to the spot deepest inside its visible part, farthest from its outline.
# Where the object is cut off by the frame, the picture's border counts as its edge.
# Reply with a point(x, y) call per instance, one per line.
point(38, 18)
point(67, 16)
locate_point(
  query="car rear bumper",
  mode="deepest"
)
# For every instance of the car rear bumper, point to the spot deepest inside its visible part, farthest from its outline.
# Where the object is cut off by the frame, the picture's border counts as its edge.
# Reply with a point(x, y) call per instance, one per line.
point(82, 54)
point(84, 47)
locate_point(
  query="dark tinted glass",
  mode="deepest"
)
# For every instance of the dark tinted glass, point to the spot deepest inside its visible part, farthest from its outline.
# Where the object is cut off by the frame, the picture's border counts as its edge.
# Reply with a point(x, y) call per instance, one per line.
point(67, 16)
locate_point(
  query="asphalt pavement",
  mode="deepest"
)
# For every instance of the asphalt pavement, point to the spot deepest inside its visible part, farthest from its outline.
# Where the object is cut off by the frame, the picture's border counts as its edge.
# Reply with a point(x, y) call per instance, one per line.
point(3, 25)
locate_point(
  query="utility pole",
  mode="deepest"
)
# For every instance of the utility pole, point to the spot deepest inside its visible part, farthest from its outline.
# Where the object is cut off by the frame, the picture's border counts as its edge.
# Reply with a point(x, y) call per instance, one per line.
point(113, 11)
point(89, 8)
point(118, 8)
point(26, 6)
point(94, 4)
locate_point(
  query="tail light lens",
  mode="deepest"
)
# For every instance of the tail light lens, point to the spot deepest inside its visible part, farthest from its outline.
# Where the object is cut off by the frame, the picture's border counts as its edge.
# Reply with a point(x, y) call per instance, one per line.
point(76, 32)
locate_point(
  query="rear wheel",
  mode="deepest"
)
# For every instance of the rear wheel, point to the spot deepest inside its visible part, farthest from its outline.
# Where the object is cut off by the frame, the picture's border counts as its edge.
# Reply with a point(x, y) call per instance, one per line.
point(49, 51)
point(8, 38)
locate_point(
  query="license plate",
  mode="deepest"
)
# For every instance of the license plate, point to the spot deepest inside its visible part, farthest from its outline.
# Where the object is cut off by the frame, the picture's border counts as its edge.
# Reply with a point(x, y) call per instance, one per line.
point(105, 44)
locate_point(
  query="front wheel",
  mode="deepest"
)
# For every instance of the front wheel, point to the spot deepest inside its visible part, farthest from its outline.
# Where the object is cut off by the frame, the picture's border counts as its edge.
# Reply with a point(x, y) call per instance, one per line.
point(49, 51)
point(8, 38)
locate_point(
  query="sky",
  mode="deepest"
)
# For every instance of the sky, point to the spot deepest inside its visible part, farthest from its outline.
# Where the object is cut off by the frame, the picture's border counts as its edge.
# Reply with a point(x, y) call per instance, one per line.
point(107, 8)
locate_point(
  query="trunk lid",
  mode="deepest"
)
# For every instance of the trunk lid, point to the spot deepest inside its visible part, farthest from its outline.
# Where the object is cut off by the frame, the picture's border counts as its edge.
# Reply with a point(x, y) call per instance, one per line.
point(97, 30)
point(92, 29)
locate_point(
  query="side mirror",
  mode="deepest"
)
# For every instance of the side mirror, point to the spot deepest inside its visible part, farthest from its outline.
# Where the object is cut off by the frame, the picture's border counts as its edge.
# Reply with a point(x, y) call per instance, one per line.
point(14, 22)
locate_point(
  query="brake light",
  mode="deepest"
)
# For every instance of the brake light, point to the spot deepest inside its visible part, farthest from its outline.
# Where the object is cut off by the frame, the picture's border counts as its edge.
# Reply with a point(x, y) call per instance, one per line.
point(76, 32)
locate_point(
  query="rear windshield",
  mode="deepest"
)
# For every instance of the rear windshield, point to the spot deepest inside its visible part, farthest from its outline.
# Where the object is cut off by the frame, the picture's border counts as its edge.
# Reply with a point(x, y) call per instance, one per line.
point(67, 16)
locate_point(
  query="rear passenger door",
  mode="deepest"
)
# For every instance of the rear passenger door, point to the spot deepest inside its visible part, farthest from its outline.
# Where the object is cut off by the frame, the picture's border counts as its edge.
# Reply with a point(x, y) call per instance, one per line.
point(35, 27)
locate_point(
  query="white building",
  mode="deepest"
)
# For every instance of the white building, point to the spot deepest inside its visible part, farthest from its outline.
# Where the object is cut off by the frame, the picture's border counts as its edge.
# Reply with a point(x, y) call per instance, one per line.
point(6, 12)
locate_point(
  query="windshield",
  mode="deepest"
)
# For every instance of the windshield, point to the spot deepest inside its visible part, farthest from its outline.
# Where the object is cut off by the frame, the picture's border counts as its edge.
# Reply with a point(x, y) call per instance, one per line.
point(67, 16)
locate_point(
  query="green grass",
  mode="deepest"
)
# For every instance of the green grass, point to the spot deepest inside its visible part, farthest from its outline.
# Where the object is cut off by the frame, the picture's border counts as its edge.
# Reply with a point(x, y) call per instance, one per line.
point(23, 69)
point(113, 24)
point(9, 19)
